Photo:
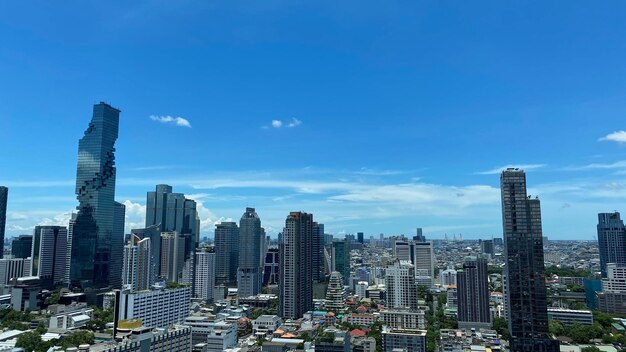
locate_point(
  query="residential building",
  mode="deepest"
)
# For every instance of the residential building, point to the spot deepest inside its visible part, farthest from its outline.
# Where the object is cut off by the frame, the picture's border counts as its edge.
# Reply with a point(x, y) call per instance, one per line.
point(14, 268)
point(251, 242)
point(158, 308)
point(404, 318)
point(317, 252)
point(117, 245)
point(271, 269)
point(4, 195)
point(266, 324)
point(473, 294)
point(486, 247)
point(153, 233)
point(611, 240)
point(173, 255)
point(570, 316)
point(205, 276)
point(68, 259)
point(400, 283)
point(137, 274)
point(95, 191)
point(525, 284)
point(227, 252)
point(361, 289)
point(296, 280)
point(341, 259)
point(49, 253)
point(21, 247)
point(218, 335)
point(335, 293)
point(147, 339)
point(408, 340)
point(448, 277)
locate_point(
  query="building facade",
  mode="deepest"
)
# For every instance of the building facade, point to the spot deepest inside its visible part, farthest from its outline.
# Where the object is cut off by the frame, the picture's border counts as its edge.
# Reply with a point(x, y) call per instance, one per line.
point(227, 251)
point(401, 288)
point(21, 247)
point(137, 274)
point(95, 191)
point(117, 245)
point(611, 240)
point(341, 259)
point(205, 276)
point(525, 284)
point(14, 268)
point(173, 255)
point(251, 244)
point(473, 294)
point(156, 308)
point(4, 196)
point(49, 252)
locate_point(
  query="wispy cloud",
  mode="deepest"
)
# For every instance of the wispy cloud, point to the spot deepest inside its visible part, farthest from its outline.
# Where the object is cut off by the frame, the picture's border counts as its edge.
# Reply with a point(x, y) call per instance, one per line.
point(294, 122)
point(497, 170)
point(178, 121)
point(617, 136)
point(600, 166)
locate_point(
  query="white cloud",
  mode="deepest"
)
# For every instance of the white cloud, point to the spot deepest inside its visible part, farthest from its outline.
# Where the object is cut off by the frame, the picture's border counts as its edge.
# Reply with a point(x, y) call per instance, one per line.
point(497, 170)
point(294, 122)
point(600, 166)
point(277, 123)
point(178, 121)
point(617, 136)
point(135, 215)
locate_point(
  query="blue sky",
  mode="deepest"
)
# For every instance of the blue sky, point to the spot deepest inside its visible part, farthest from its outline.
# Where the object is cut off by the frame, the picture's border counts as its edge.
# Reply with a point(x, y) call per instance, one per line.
point(398, 110)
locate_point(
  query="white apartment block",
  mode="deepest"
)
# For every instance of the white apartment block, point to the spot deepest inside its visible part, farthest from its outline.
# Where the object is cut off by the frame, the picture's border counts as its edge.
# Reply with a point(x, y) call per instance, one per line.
point(403, 318)
point(156, 308)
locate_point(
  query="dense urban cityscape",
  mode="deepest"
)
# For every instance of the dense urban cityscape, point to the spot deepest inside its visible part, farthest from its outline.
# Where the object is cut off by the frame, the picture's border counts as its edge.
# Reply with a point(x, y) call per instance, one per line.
point(89, 286)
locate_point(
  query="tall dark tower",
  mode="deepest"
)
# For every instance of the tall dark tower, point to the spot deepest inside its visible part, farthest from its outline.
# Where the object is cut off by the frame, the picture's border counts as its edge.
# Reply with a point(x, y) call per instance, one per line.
point(296, 277)
point(473, 293)
point(525, 284)
point(249, 271)
point(95, 190)
point(4, 194)
point(611, 240)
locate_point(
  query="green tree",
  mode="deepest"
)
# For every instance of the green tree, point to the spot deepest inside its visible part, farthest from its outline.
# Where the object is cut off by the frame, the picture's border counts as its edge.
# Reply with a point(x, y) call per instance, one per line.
point(556, 328)
point(78, 338)
point(501, 326)
point(579, 333)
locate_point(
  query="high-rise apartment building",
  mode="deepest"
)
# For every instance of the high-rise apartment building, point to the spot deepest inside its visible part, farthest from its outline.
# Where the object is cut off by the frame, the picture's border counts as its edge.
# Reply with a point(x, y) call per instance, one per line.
point(486, 247)
point(68, 259)
point(156, 308)
point(251, 244)
point(341, 259)
point(172, 255)
point(227, 253)
point(271, 271)
point(21, 247)
point(296, 279)
point(611, 240)
point(14, 268)
point(317, 252)
point(153, 233)
point(205, 276)
point(4, 196)
point(117, 245)
point(473, 294)
point(137, 269)
point(95, 191)
point(335, 293)
point(525, 281)
point(401, 288)
point(49, 252)
point(174, 213)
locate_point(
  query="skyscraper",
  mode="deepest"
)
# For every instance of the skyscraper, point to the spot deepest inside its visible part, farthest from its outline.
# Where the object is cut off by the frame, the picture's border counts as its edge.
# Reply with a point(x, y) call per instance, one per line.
point(21, 247)
point(423, 257)
point(611, 240)
point(172, 255)
point(4, 196)
point(359, 237)
point(486, 247)
point(317, 252)
point(68, 259)
point(251, 242)
point(227, 253)
point(296, 279)
point(154, 234)
point(174, 212)
point(137, 270)
point(341, 259)
point(401, 288)
point(335, 293)
point(525, 282)
point(205, 276)
point(473, 294)
point(49, 252)
point(95, 190)
point(117, 245)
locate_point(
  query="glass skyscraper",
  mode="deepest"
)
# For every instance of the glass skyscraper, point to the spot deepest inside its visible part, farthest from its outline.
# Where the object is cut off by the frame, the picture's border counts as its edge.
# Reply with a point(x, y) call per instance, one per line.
point(525, 281)
point(227, 253)
point(611, 240)
point(95, 190)
point(251, 238)
point(4, 195)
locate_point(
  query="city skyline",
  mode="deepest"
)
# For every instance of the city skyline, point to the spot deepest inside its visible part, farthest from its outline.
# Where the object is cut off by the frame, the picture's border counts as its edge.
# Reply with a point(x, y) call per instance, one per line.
point(343, 114)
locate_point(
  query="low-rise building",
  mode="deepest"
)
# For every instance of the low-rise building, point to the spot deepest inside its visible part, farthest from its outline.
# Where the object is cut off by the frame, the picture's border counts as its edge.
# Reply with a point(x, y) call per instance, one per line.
point(70, 320)
point(403, 318)
point(143, 339)
point(158, 307)
point(266, 324)
point(408, 340)
point(570, 316)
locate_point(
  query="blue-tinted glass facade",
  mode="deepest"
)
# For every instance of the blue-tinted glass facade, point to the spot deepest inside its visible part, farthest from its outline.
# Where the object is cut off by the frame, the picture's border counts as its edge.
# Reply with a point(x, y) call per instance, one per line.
point(4, 195)
point(95, 191)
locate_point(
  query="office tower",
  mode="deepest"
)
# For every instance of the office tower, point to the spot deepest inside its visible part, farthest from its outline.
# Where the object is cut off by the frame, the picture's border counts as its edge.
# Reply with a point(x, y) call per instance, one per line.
point(4, 197)
point(359, 237)
point(448, 277)
point(611, 240)
point(137, 269)
point(317, 252)
point(486, 247)
point(174, 213)
point(272, 267)
point(49, 253)
point(401, 288)
point(525, 285)
point(21, 247)
point(227, 253)
point(251, 238)
point(419, 236)
point(154, 234)
point(117, 245)
point(68, 259)
point(341, 259)
point(612, 299)
point(473, 294)
point(335, 293)
point(95, 191)
point(205, 276)
point(296, 279)
point(14, 268)
point(424, 261)
point(172, 255)
point(401, 250)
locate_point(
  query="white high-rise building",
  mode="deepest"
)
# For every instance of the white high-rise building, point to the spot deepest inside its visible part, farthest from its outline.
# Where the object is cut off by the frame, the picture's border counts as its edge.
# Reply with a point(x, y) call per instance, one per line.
point(172, 255)
point(401, 288)
point(68, 257)
point(424, 261)
point(156, 308)
point(205, 276)
point(49, 254)
point(360, 289)
point(448, 277)
point(402, 250)
point(13, 268)
point(137, 271)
